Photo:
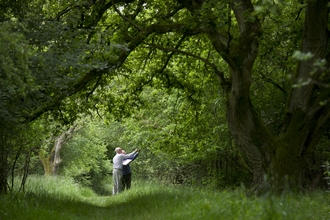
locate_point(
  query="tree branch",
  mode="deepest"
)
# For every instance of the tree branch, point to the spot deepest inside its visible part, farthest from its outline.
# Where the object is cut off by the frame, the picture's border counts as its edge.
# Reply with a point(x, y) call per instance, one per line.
point(125, 18)
point(224, 82)
point(267, 79)
point(95, 86)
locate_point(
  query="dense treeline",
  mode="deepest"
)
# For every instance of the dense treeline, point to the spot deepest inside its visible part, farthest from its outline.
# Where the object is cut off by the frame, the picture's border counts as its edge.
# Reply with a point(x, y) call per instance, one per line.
point(213, 92)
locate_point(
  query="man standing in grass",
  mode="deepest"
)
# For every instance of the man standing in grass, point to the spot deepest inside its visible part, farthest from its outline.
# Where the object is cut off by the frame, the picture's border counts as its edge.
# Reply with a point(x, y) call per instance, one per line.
point(117, 169)
point(127, 173)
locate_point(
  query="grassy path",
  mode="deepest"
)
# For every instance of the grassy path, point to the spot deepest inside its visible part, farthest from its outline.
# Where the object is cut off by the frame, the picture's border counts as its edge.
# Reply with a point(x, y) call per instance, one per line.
point(62, 199)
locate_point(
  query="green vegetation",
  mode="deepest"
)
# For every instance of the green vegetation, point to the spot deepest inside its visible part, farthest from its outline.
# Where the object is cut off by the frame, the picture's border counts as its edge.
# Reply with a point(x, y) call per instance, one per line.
point(215, 94)
point(61, 198)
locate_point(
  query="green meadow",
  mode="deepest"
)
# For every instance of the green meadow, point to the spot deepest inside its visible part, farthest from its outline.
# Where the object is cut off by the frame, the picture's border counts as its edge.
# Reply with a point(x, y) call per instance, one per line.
point(61, 198)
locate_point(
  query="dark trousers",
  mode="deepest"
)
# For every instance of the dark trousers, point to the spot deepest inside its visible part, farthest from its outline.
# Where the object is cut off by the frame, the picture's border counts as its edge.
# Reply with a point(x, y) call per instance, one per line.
point(126, 181)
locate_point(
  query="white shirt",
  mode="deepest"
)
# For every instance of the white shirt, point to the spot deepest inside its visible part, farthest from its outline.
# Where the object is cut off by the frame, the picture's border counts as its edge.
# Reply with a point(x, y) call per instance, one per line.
point(119, 158)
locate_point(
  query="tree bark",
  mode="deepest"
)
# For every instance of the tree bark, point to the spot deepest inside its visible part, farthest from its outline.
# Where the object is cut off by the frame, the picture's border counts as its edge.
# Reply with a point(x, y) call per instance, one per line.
point(5, 166)
point(284, 159)
point(306, 120)
point(245, 125)
point(3, 174)
point(52, 162)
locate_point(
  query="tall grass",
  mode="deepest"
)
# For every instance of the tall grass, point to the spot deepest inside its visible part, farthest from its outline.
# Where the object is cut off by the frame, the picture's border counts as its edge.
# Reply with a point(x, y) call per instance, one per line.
point(59, 198)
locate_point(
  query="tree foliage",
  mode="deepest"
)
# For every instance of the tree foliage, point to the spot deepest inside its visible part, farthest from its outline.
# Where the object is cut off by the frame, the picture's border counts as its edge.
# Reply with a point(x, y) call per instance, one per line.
point(85, 157)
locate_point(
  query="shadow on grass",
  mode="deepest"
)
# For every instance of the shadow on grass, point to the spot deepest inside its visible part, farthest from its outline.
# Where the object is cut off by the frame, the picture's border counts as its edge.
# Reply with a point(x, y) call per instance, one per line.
point(154, 205)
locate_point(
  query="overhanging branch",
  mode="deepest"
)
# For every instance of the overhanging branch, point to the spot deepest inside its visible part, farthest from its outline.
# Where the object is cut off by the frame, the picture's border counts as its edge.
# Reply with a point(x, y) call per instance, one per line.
point(126, 18)
point(224, 82)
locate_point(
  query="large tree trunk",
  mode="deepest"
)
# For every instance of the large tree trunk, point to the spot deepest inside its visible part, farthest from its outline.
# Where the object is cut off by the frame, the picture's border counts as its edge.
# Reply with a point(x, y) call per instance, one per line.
point(305, 120)
point(283, 159)
point(245, 125)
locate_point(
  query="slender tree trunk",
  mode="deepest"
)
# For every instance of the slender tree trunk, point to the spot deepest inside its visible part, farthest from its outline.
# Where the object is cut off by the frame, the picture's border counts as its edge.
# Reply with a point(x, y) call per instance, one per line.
point(4, 163)
point(57, 156)
point(47, 161)
point(52, 163)
point(3, 174)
